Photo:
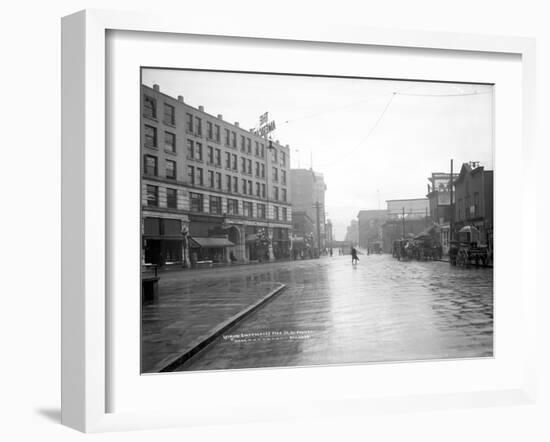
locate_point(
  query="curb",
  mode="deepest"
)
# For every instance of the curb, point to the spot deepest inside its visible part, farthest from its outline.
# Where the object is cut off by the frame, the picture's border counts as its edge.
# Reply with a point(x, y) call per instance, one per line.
point(203, 341)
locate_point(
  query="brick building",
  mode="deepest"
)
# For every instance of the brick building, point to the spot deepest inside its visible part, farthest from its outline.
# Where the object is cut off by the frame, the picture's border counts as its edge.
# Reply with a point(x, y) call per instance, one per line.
point(308, 189)
point(439, 200)
point(211, 190)
point(474, 201)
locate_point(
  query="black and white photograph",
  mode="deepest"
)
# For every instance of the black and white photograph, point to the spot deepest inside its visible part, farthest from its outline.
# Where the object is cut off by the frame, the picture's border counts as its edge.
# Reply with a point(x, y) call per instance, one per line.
point(308, 220)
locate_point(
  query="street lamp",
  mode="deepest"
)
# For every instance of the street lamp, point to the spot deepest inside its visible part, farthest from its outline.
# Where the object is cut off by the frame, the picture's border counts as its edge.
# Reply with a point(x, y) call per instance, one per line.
point(184, 233)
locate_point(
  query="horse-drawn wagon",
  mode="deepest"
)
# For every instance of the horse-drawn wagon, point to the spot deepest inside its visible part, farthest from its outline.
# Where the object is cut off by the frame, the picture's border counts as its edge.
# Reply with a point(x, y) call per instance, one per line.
point(468, 250)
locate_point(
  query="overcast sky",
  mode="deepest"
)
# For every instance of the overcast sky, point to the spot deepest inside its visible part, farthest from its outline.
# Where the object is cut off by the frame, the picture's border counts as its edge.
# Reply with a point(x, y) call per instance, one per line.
point(371, 144)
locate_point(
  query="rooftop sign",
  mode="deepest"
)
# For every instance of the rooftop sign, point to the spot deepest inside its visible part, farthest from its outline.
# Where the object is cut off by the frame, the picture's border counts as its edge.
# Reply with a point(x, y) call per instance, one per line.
point(265, 126)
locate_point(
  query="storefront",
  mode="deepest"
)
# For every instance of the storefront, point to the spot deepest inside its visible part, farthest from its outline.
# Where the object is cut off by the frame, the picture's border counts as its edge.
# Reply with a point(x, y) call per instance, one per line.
point(162, 241)
point(209, 249)
point(281, 243)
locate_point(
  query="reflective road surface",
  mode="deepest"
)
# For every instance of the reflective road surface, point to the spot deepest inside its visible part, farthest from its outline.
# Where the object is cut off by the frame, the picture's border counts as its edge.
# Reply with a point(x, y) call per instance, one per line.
point(378, 310)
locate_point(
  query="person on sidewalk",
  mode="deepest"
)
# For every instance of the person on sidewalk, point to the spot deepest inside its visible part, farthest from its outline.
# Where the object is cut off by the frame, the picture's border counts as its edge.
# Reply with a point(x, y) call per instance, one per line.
point(354, 257)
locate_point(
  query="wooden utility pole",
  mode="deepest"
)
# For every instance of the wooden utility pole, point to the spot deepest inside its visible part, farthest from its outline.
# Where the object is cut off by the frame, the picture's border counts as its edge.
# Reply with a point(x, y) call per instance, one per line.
point(403, 221)
point(451, 218)
point(317, 208)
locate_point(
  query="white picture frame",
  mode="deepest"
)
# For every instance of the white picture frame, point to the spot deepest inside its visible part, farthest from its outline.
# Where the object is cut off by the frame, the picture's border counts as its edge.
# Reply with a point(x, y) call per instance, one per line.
point(86, 318)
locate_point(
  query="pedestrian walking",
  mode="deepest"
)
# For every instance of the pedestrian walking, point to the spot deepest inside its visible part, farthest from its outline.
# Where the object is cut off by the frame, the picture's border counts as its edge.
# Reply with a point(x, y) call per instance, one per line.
point(354, 257)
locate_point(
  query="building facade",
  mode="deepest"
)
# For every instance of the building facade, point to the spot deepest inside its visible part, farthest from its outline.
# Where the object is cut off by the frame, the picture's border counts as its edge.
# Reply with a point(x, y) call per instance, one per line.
point(474, 201)
point(352, 233)
point(406, 217)
point(369, 225)
point(308, 195)
point(439, 200)
point(303, 235)
point(211, 190)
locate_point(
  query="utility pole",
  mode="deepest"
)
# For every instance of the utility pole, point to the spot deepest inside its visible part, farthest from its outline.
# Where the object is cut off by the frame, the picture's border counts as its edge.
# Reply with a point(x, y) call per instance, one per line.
point(298, 156)
point(403, 221)
point(317, 208)
point(451, 218)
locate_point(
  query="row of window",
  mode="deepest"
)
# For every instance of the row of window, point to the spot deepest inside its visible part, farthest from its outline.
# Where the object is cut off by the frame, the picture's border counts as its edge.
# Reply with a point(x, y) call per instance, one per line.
point(231, 183)
point(196, 201)
point(196, 177)
point(152, 196)
point(230, 161)
point(195, 152)
point(193, 125)
point(150, 110)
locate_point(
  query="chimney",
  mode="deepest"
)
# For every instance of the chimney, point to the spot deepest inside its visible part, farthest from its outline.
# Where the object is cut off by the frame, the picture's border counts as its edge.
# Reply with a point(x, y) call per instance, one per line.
point(180, 98)
point(201, 108)
point(156, 87)
point(237, 123)
point(220, 116)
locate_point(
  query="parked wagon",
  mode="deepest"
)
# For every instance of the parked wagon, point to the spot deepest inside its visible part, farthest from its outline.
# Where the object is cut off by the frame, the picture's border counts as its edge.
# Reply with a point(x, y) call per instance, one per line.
point(374, 247)
point(468, 250)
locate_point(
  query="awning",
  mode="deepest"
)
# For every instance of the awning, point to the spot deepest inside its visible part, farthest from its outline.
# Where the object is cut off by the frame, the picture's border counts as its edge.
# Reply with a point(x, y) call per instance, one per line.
point(210, 242)
point(470, 229)
point(163, 237)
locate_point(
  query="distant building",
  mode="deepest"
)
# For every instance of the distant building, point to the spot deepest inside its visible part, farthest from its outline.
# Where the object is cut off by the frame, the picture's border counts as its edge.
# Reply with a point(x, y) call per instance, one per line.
point(412, 208)
point(352, 232)
point(308, 191)
point(329, 234)
point(370, 226)
point(303, 228)
point(474, 201)
point(211, 190)
point(406, 218)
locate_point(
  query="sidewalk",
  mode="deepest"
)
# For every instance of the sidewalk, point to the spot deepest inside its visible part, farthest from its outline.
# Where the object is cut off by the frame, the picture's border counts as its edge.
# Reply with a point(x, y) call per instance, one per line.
point(192, 309)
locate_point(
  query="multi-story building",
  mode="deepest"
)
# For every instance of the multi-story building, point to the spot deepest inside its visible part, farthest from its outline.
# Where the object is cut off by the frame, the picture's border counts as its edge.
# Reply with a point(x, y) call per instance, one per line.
point(211, 190)
point(439, 200)
point(303, 228)
point(308, 195)
point(329, 234)
point(370, 226)
point(352, 232)
point(474, 201)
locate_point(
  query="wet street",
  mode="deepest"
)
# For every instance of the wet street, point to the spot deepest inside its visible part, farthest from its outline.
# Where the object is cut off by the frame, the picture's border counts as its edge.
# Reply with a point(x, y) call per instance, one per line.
point(334, 313)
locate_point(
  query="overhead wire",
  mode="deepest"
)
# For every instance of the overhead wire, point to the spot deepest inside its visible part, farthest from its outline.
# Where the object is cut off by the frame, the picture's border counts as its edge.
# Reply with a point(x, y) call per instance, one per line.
point(377, 122)
point(369, 133)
